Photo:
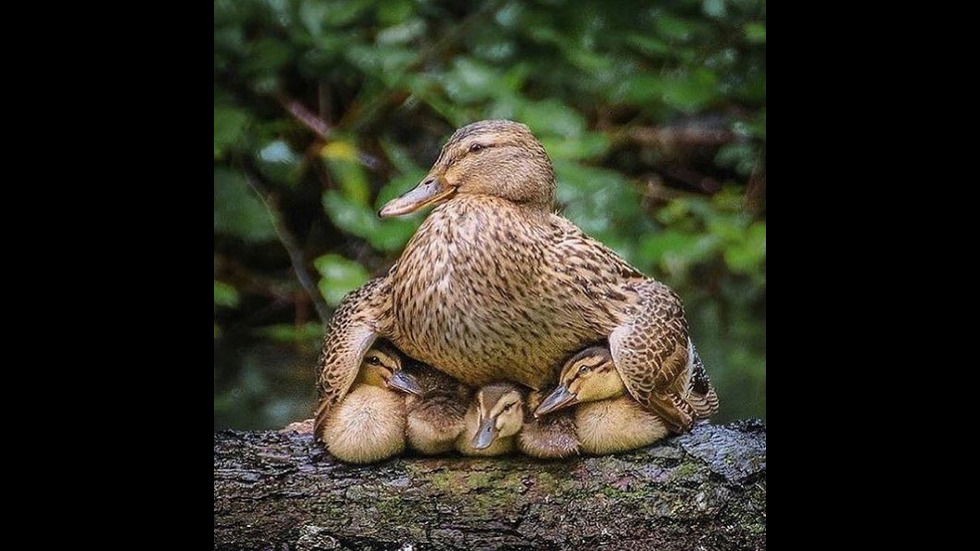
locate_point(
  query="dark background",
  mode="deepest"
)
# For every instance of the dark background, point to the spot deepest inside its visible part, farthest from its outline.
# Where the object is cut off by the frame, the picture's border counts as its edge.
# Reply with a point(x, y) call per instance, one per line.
point(654, 115)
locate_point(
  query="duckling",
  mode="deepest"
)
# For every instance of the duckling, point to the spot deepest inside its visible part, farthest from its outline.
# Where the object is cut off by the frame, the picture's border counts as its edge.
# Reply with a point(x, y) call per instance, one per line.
point(493, 420)
point(495, 286)
point(607, 419)
point(368, 425)
point(502, 410)
point(435, 418)
point(549, 437)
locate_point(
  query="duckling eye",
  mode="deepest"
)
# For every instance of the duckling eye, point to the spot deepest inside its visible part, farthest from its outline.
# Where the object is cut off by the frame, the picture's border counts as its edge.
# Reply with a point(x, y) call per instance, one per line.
point(509, 408)
point(476, 147)
point(373, 360)
point(583, 369)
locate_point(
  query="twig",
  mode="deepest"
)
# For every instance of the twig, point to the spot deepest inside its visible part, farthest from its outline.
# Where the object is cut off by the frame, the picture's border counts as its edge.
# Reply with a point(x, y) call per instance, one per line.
point(321, 128)
point(306, 117)
point(296, 257)
point(672, 136)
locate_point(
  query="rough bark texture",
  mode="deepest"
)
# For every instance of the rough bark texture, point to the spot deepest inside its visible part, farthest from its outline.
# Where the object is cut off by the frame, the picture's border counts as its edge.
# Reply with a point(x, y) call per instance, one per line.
point(703, 490)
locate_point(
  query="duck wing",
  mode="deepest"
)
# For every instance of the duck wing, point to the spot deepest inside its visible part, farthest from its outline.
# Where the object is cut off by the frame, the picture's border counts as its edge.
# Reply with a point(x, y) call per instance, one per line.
point(652, 354)
point(351, 332)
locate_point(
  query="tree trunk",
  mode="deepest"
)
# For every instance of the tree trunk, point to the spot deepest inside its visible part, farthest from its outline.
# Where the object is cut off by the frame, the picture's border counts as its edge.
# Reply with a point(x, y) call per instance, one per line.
point(703, 490)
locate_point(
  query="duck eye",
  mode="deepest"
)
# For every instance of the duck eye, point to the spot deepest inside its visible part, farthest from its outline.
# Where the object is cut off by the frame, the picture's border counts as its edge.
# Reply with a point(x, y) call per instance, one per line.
point(373, 360)
point(583, 369)
point(476, 147)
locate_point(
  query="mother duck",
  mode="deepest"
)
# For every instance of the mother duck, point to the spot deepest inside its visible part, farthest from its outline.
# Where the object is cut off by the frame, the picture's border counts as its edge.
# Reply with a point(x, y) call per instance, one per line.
point(495, 286)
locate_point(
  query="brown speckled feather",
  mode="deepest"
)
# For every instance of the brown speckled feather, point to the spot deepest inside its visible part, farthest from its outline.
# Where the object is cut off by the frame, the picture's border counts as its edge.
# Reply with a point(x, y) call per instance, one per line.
point(701, 393)
point(651, 352)
point(488, 290)
point(351, 332)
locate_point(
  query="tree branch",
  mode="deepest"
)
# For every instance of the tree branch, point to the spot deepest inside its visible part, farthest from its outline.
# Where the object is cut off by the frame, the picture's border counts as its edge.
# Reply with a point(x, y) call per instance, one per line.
point(296, 256)
point(704, 490)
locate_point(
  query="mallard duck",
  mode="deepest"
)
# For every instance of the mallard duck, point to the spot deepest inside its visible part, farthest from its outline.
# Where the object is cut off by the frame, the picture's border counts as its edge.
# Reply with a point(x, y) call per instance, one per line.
point(435, 418)
point(492, 422)
point(607, 418)
point(495, 286)
point(369, 423)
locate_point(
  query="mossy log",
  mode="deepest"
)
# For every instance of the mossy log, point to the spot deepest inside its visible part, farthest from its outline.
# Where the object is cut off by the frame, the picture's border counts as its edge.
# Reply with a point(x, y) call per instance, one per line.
point(702, 490)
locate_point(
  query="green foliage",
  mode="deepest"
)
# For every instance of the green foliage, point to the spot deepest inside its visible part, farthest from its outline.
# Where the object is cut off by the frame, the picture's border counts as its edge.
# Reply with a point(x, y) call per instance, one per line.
point(237, 211)
point(225, 295)
point(339, 277)
point(653, 113)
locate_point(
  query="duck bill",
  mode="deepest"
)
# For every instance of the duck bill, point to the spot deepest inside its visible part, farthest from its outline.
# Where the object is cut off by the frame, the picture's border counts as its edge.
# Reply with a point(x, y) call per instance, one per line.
point(486, 435)
point(431, 191)
point(406, 383)
point(559, 398)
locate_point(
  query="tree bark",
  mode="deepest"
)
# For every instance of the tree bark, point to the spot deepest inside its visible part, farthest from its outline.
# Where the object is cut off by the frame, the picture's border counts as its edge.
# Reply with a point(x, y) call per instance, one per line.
point(703, 490)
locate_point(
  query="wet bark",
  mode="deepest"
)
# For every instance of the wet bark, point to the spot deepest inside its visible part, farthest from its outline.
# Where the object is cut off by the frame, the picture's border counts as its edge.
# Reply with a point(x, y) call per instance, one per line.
point(703, 490)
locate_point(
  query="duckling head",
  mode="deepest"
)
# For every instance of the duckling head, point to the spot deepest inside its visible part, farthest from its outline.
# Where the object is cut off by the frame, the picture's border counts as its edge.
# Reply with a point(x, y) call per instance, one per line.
point(496, 158)
point(588, 376)
point(382, 367)
point(500, 413)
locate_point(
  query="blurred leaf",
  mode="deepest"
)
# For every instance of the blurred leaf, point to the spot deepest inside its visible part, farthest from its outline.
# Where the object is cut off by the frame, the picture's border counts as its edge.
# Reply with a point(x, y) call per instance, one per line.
point(470, 81)
point(740, 156)
point(278, 162)
point(746, 256)
point(675, 28)
point(340, 276)
point(755, 33)
point(225, 295)
point(587, 146)
point(347, 170)
point(401, 160)
point(404, 32)
point(349, 215)
point(394, 11)
point(384, 235)
point(338, 150)
point(552, 117)
point(229, 126)
point(313, 13)
point(714, 8)
point(267, 54)
point(690, 92)
point(649, 45)
point(676, 252)
point(237, 211)
point(289, 333)
point(343, 12)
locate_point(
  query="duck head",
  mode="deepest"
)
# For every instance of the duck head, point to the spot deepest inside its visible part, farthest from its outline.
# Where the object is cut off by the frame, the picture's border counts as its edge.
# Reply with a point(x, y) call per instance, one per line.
point(588, 376)
point(382, 367)
point(500, 413)
point(495, 158)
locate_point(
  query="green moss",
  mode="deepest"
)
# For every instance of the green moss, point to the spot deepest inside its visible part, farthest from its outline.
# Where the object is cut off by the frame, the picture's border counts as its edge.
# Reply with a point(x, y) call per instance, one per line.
point(687, 469)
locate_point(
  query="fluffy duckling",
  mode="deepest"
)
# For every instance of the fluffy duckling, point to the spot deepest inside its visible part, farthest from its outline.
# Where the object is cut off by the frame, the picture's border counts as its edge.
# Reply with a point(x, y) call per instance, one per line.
point(550, 437)
point(436, 417)
point(607, 418)
point(493, 420)
point(500, 419)
point(369, 424)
